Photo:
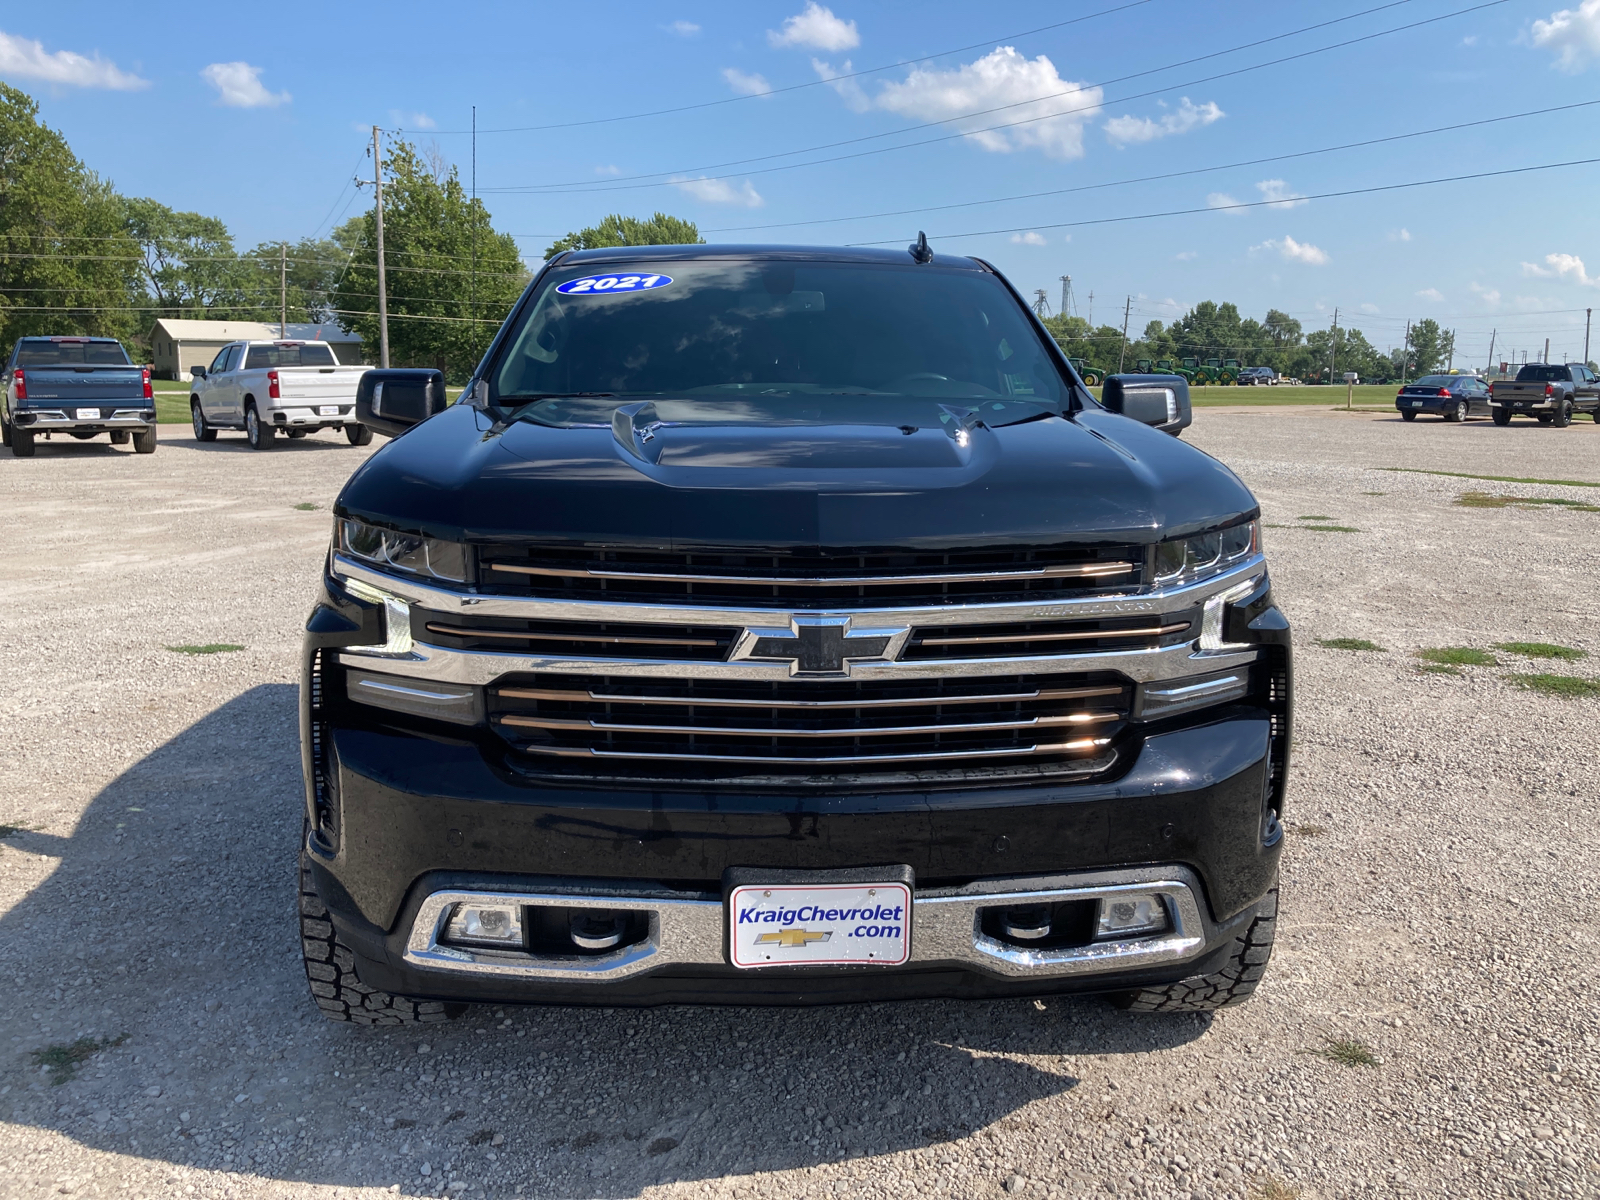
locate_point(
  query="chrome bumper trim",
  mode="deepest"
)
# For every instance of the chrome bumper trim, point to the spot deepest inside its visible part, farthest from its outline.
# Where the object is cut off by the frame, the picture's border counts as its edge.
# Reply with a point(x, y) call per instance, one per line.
point(945, 931)
point(51, 421)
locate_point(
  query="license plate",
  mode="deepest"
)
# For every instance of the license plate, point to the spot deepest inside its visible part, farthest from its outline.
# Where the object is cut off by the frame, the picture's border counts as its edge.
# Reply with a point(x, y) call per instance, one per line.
point(1414, 403)
point(820, 924)
point(329, 410)
point(87, 414)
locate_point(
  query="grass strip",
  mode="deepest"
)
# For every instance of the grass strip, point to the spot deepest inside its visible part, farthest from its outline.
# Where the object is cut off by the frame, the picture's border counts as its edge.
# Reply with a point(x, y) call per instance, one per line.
point(1542, 650)
point(305, 506)
point(1349, 644)
point(1439, 670)
point(1329, 528)
point(1568, 687)
point(1347, 1052)
point(63, 1060)
point(1458, 656)
point(1488, 500)
point(208, 648)
point(1490, 478)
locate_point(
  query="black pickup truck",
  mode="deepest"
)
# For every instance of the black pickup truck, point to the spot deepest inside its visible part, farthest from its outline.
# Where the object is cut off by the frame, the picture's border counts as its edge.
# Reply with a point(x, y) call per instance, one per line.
point(787, 626)
point(78, 386)
point(1552, 392)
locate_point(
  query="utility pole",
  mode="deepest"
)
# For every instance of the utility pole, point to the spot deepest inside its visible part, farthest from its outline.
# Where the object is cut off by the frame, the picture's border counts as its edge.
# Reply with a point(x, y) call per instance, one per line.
point(1588, 315)
point(1547, 350)
point(1123, 353)
point(473, 216)
point(383, 281)
point(1489, 366)
point(1450, 359)
point(1333, 345)
point(283, 289)
point(1405, 354)
point(1091, 310)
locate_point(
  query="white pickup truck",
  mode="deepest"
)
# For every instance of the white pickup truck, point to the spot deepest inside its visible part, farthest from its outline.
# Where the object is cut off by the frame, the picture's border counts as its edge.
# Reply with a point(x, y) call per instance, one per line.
point(262, 387)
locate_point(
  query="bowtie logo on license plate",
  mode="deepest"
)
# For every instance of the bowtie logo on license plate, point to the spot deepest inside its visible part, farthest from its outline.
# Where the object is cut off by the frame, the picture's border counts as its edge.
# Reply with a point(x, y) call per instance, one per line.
point(820, 645)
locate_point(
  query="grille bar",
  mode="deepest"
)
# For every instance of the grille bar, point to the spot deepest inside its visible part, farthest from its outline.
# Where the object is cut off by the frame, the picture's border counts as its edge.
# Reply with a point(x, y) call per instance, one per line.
point(1093, 570)
point(522, 722)
point(603, 639)
point(1069, 636)
point(1076, 746)
point(923, 701)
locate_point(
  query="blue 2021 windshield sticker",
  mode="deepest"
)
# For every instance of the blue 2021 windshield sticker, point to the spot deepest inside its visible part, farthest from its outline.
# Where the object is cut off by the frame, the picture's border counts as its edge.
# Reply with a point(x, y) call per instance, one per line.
point(591, 284)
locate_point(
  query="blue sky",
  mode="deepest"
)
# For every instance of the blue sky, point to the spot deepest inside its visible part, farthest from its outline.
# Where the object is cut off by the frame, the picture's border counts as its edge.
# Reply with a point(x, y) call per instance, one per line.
point(260, 119)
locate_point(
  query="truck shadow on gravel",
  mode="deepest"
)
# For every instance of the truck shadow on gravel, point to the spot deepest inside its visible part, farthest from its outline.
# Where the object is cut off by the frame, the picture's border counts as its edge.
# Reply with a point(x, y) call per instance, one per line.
point(169, 917)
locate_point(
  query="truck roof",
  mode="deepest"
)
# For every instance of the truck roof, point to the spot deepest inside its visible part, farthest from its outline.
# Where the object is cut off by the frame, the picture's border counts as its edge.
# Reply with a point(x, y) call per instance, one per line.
point(848, 254)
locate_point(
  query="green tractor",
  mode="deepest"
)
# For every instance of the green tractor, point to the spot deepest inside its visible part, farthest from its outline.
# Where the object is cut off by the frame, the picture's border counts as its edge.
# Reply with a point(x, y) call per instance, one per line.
point(1186, 368)
point(1088, 374)
point(1213, 371)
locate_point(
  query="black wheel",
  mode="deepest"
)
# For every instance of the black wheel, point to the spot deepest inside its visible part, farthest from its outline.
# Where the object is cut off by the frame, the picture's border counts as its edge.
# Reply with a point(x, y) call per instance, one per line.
point(1546, 418)
point(1247, 963)
point(202, 431)
point(22, 443)
point(258, 435)
point(1502, 416)
point(144, 440)
point(331, 972)
point(1407, 414)
point(1562, 417)
point(82, 437)
point(297, 434)
point(5, 430)
point(1596, 415)
point(360, 435)
point(119, 437)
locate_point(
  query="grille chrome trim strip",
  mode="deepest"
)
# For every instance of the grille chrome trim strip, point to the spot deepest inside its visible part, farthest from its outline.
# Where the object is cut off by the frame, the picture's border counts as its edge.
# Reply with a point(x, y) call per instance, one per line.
point(834, 760)
point(522, 722)
point(1098, 570)
point(601, 639)
point(584, 697)
point(1075, 636)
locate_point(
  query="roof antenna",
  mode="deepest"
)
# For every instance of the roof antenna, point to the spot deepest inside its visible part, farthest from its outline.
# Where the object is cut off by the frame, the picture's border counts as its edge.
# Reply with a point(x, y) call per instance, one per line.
point(919, 249)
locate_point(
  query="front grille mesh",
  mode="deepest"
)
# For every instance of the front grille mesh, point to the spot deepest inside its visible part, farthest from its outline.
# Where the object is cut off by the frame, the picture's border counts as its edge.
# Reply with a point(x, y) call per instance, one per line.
point(1014, 639)
point(573, 639)
point(835, 731)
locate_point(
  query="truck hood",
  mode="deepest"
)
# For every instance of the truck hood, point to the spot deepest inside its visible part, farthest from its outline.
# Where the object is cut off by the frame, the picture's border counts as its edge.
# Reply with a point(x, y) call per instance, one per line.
point(915, 474)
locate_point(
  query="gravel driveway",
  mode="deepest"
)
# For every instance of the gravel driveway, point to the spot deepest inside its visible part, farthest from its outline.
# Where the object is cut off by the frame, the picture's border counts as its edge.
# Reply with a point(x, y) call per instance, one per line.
point(1428, 1027)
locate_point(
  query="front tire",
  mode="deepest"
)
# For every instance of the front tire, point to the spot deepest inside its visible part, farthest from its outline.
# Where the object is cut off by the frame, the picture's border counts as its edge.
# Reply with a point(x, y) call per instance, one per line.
point(258, 435)
point(331, 972)
point(144, 440)
point(1233, 984)
point(360, 435)
point(1502, 416)
point(202, 431)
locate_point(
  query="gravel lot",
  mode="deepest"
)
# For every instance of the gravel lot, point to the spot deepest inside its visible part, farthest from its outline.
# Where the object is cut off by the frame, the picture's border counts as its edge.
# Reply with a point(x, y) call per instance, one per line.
point(1438, 905)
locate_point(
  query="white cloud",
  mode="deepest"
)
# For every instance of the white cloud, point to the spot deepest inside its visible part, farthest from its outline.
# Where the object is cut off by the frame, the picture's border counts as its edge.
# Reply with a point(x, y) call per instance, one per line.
point(1470, 40)
point(416, 120)
point(1223, 200)
point(1003, 77)
point(849, 90)
point(1400, 235)
point(1433, 294)
point(815, 28)
point(1028, 239)
point(1490, 296)
point(24, 58)
point(1186, 255)
point(1572, 33)
point(746, 85)
point(1123, 131)
point(238, 85)
point(612, 169)
point(720, 191)
point(682, 28)
point(1294, 251)
point(1533, 303)
point(1277, 194)
point(1562, 266)
point(1370, 309)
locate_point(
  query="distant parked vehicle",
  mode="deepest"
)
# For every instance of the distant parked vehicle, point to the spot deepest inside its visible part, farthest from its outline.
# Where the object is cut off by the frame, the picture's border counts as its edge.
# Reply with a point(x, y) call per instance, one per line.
point(78, 386)
point(1453, 397)
point(1252, 376)
point(1552, 392)
point(262, 387)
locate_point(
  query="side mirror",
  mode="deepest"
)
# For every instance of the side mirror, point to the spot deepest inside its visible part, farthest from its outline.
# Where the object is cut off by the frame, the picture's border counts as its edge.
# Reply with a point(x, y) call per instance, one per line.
point(391, 401)
point(1158, 400)
point(197, 372)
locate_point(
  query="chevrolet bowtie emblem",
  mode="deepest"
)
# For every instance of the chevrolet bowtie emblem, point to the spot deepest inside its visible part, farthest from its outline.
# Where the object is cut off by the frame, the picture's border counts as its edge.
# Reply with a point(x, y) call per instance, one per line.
point(792, 939)
point(820, 645)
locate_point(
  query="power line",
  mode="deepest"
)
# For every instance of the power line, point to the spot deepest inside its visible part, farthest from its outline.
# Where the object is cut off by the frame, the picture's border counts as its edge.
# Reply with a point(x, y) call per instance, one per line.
point(1090, 187)
point(584, 186)
point(1181, 212)
point(794, 87)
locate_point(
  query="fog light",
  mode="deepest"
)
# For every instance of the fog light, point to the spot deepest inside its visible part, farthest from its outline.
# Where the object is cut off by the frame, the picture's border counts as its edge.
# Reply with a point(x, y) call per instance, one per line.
point(1130, 916)
point(485, 925)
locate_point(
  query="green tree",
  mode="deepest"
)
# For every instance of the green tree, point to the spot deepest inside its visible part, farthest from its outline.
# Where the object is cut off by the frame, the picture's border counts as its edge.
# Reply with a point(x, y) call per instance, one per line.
point(617, 230)
point(188, 265)
point(1430, 347)
point(67, 265)
point(451, 278)
point(313, 266)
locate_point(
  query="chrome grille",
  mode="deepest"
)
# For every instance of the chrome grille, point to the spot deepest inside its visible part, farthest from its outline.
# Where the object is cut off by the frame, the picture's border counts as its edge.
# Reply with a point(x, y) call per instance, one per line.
point(1018, 639)
point(797, 581)
point(585, 639)
point(703, 730)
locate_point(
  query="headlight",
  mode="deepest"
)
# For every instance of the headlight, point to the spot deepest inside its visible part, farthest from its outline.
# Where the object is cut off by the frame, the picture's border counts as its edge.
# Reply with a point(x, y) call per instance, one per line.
point(407, 553)
point(1185, 560)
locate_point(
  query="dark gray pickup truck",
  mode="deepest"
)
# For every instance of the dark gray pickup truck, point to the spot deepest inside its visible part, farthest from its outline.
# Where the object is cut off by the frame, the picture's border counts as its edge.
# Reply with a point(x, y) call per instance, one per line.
point(1551, 392)
point(79, 386)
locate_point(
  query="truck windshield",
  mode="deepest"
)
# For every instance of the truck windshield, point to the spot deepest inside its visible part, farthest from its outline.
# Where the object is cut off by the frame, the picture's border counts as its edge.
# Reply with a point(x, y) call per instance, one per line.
point(1541, 373)
point(48, 352)
point(288, 354)
point(772, 328)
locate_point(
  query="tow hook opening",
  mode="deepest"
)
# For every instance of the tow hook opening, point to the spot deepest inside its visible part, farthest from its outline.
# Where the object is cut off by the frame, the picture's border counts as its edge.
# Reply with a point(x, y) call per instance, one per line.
point(1041, 926)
